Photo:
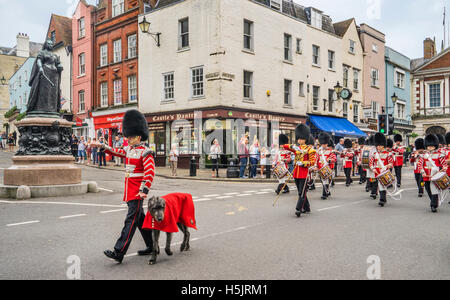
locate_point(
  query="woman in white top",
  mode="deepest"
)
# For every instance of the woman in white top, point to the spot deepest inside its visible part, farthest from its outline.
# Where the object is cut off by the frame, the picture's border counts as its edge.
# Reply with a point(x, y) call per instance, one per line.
point(173, 160)
point(264, 154)
point(214, 154)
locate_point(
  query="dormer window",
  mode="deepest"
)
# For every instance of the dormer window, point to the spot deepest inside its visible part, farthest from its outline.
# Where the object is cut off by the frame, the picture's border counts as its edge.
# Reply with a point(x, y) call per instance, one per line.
point(276, 4)
point(314, 17)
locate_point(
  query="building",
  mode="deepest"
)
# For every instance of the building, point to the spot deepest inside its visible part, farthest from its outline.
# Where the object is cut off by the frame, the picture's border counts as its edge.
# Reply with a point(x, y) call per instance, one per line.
point(219, 58)
point(374, 74)
point(398, 82)
point(431, 91)
point(11, 59)
point(83, 69)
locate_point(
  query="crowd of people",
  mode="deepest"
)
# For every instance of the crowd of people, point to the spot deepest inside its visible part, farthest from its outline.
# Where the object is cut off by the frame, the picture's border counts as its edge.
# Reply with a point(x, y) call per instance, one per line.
point(8, 141)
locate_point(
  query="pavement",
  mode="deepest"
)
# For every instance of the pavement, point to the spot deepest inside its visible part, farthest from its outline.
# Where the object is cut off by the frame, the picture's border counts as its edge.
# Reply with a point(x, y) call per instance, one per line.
point(240, 236)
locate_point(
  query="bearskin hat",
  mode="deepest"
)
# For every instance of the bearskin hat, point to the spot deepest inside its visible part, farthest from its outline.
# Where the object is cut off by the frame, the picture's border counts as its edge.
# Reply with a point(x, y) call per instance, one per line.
point(310, 141)
point(331, 143)
point(380, 140)
point(372, 140)
point(419, 144)
point(348, 143)
point(389, 143)
point(441, 139)
point(324, 138)
point(135, 124)
point(361, 141)
point(447, 138)
point(431, 140)
point(302, 132)
point(398, 138)
point(283, 139)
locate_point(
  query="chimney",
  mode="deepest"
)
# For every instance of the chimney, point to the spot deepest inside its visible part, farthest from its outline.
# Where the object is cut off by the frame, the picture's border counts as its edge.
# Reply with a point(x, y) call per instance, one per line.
point(23, 45)
point(429, 48)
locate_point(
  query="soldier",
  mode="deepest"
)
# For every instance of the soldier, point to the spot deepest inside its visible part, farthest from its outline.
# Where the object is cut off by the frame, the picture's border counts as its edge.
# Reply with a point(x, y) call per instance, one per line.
point(305, 157)
point(398, 151)
point(311, 180)
point(282, 157)
point(140, 171)
point(447, 157)
point(325, 157)
point(415, 157)
point(359, 155)
point(380, 161)
point(370, 150)
point(347, 157)
point(389, 146)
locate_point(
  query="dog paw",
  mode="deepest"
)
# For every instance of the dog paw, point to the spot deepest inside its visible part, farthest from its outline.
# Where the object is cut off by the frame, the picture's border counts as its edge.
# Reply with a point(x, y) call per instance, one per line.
point(168, 252)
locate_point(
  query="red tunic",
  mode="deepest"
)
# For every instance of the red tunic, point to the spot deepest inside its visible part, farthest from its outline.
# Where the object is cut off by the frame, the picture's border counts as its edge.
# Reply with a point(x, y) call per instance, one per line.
point(304, 154)
point(429, 161)
point(379, 162)
point(347, 156)
point(415, 160)
point(329, 156)
point(398, 152)
point(447, 158)
point(140, 169)
point(179, 209)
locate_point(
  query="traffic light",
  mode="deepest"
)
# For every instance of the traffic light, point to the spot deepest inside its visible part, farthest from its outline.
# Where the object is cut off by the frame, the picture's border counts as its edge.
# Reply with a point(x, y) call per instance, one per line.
point(382, 125)
point(391, 125)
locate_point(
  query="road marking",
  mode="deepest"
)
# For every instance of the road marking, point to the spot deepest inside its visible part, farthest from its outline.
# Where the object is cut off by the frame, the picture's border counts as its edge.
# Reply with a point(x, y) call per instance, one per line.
point(261, 193)
point(203, 200)
point(112, 211)
point(243, 195)
point(23, 223)
point(73, 216)
point(106, 190)
point(224, 197)
point(62, 203)
point(231, 194)
point(250, 192)
point(332, 207)
point(209, 196)
point(267, 190)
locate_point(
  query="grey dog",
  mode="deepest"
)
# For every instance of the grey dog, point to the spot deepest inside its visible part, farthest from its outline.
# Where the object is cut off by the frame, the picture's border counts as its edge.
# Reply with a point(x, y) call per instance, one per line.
point(156, 207)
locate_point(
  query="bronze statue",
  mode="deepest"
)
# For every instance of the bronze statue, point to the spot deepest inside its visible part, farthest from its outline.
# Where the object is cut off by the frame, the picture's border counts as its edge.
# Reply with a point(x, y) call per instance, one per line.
point(45, 81)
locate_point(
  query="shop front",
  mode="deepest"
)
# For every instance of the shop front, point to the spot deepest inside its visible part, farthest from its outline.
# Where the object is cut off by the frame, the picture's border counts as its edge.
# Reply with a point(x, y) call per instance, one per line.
point(108, 127)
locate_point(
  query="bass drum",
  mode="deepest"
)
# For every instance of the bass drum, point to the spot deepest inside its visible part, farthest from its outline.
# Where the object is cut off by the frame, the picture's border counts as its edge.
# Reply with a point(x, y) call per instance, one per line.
point(441, 180)
point(280, 171)
point(386, 179)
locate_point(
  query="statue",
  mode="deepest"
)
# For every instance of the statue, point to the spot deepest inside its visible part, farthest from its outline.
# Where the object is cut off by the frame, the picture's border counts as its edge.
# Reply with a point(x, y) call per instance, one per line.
point(45, 81)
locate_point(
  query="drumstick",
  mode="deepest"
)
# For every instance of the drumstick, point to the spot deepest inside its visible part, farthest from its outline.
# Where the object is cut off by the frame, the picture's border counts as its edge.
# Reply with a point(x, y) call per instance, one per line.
point(282, 189)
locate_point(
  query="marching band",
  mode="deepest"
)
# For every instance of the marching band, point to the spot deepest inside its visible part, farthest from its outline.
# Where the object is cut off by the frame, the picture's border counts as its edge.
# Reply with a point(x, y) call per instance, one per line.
point(376, 159)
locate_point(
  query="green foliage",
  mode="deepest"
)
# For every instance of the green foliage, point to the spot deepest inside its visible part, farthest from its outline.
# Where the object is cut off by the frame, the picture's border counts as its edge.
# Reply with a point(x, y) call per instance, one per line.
point(10, 112)
point(414, 135)
point(21, 116)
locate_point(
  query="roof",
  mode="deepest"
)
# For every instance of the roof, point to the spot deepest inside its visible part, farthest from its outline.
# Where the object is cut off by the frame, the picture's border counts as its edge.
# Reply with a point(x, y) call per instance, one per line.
point(63, 26)
point(341, 28)
point(34, 50)
point(420, 63)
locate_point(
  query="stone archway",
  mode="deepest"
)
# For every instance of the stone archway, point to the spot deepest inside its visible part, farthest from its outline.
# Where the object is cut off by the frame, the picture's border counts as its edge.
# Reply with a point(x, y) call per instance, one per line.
point(436, 130)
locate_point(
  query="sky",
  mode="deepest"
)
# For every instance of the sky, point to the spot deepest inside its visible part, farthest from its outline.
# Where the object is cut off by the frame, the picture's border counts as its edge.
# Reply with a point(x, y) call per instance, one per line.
point(406, 23)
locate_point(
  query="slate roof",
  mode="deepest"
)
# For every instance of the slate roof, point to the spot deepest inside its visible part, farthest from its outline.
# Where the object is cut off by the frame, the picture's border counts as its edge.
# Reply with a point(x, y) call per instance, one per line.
point(34, 50)
point(63, 26)
point(341, 27)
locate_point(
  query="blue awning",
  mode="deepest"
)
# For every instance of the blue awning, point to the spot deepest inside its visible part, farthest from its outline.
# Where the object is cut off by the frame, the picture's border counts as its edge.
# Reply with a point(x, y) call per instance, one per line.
point(337, 126)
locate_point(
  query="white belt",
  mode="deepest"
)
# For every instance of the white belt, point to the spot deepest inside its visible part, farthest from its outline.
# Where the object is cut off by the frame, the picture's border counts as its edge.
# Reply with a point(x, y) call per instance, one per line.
point(133, 175)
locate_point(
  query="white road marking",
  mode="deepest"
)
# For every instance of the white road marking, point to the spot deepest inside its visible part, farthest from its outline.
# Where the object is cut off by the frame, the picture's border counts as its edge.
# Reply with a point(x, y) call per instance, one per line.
point(243, 195)
point(250, 192)
point(262, 193)
point(73, 216)
point(106, 190)
point(210, 196)
point(112, 211)
point(203, 200)
point(224, 197)
point(231, 194)
point(63, 203)
point(332, 207)
point(23, 223)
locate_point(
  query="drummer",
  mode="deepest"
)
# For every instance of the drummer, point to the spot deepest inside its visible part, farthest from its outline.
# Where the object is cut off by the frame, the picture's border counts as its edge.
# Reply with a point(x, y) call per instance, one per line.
point(380, 162)
point(415, 157)
point(447, 157)
point(389, 148)
point(370, 176)
point(325, 158)
point(282, 158)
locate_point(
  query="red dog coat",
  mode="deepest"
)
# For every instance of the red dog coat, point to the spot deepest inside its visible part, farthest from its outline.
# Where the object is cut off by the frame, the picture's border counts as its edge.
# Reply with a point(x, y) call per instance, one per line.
point(179, 209)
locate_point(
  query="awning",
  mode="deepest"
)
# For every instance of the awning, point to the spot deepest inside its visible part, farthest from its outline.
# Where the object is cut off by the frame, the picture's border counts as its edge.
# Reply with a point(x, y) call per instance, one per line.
point(337, 126)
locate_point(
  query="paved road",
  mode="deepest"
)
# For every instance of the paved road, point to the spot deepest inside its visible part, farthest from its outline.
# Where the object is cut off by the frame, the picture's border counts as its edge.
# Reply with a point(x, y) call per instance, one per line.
point(240, 236)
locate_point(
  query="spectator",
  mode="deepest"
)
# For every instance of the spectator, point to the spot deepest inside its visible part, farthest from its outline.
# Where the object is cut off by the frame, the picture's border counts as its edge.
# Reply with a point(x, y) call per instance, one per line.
point(94, 151)
point(214, 153)
point(89, 151)
point(74, 147)
point(101, 154)
point(11, 142)
point(1, 142)
point(117, 144)
point(81, 150)
point(339, 149)
point(264, 164)
point(173, 160)
point(243, 156)
point(14, 135)
point(254, 158)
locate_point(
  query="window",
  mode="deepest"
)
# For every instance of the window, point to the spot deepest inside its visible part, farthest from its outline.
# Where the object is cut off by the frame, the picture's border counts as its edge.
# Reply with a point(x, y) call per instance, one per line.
point(345, 77)
point(132, 88)
point(104, 94)
point(81, 28)
point(435, 95)
point(53, 36)
point(352, 47)
point(81, 105)
point(248, 85)
point(248, 35)
point(169, 86)
point(355, 113)
point(331, 56)
point(316, 55)
point(325, 104)
point(117, 50)
point(287, 47)
point(20, 81)
point(20, 100)
point(287, 92)
point(24, 99)
point(301, 89)
point(82, 64)
point(103, 55)
point(345, 109)
point(118, 92)
point(400, 110)
point(356, 80)
point(132, 49)
point(197, 82)
point(299, 46)
point(399, 80)
point(330, 100)
point(316, 96)
point(375, 48)
point(118, 7)
point(183, 33)
point(316, 19)
point(375, 110)
point(275, 4)
point(375, 77)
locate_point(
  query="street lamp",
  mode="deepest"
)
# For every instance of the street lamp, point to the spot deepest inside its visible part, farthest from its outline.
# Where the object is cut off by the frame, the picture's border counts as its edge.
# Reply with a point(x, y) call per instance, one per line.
point(338, 89)
point(144, 25)
point(3, 80)
point(394, 99)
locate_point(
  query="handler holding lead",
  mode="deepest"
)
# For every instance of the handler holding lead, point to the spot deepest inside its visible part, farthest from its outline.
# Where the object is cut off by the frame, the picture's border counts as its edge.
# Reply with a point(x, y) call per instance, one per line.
point(140, 171)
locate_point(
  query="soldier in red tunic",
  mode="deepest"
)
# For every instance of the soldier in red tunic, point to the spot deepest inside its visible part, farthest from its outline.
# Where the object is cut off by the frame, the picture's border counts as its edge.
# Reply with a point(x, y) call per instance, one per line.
point(347, 157)
point(325, 157)
point(140, 171)
point(398, 151)
point(380, 161)
point(282, 157)
point(359, 154)
point(415, 157)
point(447, 150)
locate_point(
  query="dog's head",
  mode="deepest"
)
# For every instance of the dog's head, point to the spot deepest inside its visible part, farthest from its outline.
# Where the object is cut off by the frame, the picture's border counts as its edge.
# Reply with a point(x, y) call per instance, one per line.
point(156, 207)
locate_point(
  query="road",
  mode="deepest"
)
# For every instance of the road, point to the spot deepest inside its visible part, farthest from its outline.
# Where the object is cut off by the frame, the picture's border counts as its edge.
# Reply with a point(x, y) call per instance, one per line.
point(241, 235)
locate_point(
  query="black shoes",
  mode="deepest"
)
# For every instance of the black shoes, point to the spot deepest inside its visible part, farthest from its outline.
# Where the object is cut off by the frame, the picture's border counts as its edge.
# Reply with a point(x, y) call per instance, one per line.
point(298, 213)
point(434, 210)
point(381, 204)
point(373, 196)
point(145, 252)
point(114, 255)
point(421, 195)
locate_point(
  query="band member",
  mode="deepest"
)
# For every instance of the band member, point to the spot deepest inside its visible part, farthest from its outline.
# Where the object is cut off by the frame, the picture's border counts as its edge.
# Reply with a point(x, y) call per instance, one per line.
point(311, 179)
point(442, 144)
point(347, 157)
point(140, 170)
point(389, 146)
point(447, 157)
point(331, 147)
point(359, 155)
point(325, 157)
point(398, 151)
point(370, 175)
point(282, 157)
point(430, 164)
point(380, 161)
point(415, 157)
point(305, 157)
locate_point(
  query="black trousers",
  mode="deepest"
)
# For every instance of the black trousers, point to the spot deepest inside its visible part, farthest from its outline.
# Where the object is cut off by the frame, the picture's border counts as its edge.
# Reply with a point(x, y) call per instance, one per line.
point(419, 181)
point(398, 174)
point(383, 197)
point(362, 175)
point(348, 173)
point(135, 219)
point(303, 203)
point(434, 199)
point(374, 187)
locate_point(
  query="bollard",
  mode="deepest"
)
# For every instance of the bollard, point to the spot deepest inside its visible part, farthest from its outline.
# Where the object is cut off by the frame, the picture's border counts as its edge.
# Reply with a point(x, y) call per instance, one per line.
point(193, 167)
point(268, 171)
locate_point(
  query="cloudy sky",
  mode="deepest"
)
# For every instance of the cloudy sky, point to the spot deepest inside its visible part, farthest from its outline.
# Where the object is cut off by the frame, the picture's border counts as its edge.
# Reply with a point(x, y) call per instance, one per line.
point(406, 23)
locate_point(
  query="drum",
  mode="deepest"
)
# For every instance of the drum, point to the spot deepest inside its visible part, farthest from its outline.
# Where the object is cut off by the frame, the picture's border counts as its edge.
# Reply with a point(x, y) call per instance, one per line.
point(386, 179)
point(326, 173)
point(365, 160)
point(281, 171)
point(441, 180)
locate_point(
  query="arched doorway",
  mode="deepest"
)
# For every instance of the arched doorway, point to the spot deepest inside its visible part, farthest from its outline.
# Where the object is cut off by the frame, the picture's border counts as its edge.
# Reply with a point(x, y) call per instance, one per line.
point(436, 130)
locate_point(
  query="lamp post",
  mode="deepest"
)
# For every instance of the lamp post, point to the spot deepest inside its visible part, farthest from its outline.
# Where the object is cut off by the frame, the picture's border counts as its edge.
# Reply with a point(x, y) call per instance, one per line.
point(394, 99)
point(3, 81)
point(338, 89)
point(144, 25)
